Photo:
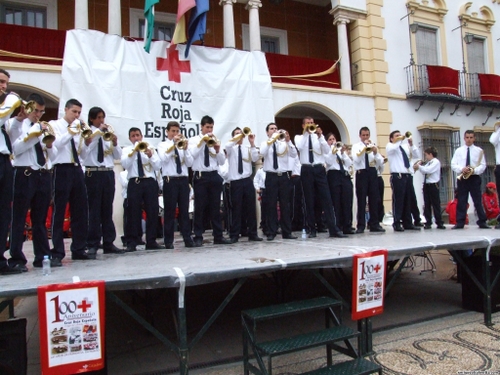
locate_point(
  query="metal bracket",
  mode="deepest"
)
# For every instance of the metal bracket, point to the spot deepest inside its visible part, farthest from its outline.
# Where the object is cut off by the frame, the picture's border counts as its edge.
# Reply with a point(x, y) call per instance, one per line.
point(440, 109)
point(421, 104)
point(471, 110)
point(456, 108)
point(489, 115)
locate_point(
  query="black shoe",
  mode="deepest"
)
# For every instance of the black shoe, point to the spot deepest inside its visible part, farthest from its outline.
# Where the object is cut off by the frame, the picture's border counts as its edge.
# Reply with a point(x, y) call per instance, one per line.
point(428, 227)
point(198, 242)
point(222, 241)
point(398, 228)
point(483, 226)
point(360, 231)
point(82, 256)
point(349, 231)
point(270, 237)
point(338, 234)
point(233, 239)
point(20, 267)
point(412, 228)
point(441, 226)
point(322, 230)
point(418, 224)
point(141, 242)
point(154, 246)
point(92, 252)
point(130, 249)
point(255, 238)
point(312, 235)
point(55, 262)
point(113, 250)
point(289, 237)
point(169, 246)
point(458, 227)
point(7, 270)
point(189, 243)
point(377, 229)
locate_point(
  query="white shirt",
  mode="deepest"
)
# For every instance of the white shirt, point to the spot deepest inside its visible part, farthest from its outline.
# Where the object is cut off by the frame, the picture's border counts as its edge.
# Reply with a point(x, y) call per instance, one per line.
point(495, 141)
point(320, 148)
point(359, 161)
point(259, 180)
point(477, 159)
point(294, 162)
point(395, 156)
point(248, 155)
point(198, 153)
point(124, 183)
point(431, 171)
point(149, 165)
point(89, 153)
point(168, 160)
point(63, 141)
point(283, 151)
point(332, 163)
point(24, 152)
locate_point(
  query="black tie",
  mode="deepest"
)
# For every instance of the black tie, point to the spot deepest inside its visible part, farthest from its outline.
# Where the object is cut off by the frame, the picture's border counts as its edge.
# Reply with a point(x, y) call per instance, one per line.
point(341, 164)
point(40, 157)
point(405, 157)
point(467, 160)
point(75, 153)
point(311, 156)
point(100, 151)
point(275, 157)
point(7, 139)
point(140, 169)
point(207, 155)
point(367, 162)
point(240, 161)
point(178, 161)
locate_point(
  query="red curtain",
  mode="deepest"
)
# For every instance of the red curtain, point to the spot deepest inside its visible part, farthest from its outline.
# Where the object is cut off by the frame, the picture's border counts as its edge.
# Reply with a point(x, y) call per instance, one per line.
point(283, 66)
point(31, 41)
point(490, 87)
point(443, 80)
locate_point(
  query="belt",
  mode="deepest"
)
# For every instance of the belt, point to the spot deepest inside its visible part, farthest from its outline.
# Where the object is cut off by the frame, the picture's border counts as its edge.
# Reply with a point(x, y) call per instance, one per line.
point(430, 183)
point(312, 165)
point(365, 170)
point(67, 165)
point(138, 179)
point(98, 169)
point(31, 170)
point(280, 173)
point(343, 173)
point(168, 178)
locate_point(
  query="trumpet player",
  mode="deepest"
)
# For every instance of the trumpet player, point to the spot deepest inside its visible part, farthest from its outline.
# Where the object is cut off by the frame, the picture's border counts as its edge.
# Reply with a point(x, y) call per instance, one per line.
point(313, 149)
point(242, 193)
point(142, 163)
point(207, 183)
point(69, 187)
point(175, 160)
point(366, 158)
point(98, 157)
point(469, 161)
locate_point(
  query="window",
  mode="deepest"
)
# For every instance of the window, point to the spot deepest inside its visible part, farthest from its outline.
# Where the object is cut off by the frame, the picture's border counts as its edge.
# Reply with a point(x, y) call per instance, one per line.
point(23, 15)
point(161, 31)
point(270, 44)
point(271, 40)
point(164, 26)
point(476, 56)
point(427, 45)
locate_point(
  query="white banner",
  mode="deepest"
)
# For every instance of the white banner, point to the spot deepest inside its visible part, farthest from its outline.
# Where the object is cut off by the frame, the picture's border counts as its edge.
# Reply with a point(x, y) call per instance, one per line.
point(142, 90)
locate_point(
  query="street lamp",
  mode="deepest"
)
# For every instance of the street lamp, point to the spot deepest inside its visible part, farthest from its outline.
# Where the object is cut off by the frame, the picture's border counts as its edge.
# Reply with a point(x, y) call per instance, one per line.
point(413, 29)
point(467, 39)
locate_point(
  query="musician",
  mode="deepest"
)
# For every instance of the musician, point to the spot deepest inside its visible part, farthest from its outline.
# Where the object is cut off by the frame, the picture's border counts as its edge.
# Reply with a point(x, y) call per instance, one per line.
point(6, 177)
point(69, 186)
point(366, 158)
point(207, 183)
point(240, 157)
point(495, 141)
point(175, 160)
point(340, 185)
point(276, 153)
point(98, 157)
point(469, 162)
point(142, 163)
point(399, 154)
point(298, 204)
point(432, 174)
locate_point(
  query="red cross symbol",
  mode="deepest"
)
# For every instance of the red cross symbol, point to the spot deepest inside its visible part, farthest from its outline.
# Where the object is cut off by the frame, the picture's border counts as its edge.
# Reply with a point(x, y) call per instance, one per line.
point(84, 306)
point(173, 65)
point(377, 268)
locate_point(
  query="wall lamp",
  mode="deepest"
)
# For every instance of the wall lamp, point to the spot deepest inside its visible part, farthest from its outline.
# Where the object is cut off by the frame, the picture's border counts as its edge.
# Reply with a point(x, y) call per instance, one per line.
point(468, 38)
point(413, 27)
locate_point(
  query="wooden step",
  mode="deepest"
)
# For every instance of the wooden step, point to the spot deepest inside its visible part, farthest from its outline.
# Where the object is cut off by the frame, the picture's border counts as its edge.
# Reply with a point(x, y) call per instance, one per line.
point(306, 340)
point(358, 366)
point(276, 311)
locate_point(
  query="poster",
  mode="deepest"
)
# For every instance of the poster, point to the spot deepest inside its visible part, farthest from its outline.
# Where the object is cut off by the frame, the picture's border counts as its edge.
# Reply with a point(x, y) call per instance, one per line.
point(368, 284)
point(72, 321)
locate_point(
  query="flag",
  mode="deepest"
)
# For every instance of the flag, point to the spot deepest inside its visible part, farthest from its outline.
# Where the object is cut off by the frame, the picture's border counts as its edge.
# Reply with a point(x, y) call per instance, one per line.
point(180, 27)
point(197, 23)
point(149, 14)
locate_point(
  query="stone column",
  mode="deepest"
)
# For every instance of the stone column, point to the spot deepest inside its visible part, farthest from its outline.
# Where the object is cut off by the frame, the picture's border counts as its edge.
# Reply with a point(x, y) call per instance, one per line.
point(345, 62)
point(81, 14)
point(229, 38)
point(254, 24)
point(114, 17)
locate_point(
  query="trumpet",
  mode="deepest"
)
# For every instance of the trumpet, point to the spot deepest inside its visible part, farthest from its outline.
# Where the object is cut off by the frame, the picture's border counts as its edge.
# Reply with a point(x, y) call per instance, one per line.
point(12, 102)
point(369, 147)
point(466, 175)
point(80, 128)
point(336, 147)
point(279, 135)
point(408, 135)
point(419, 163)
point(311, 128)
point(107, 134)
point(48, 134)
point(210, 139)
point(181, 144)
point(139, 147)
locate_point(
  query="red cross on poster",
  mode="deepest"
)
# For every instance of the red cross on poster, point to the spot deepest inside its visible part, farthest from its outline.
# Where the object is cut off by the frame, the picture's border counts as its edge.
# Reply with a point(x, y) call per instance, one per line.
point(72, 320)
point(173, 65)
point(368, 284)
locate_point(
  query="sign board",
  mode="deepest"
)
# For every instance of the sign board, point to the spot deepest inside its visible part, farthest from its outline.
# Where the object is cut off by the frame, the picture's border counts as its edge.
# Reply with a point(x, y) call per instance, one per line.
point(368, 284)
point(72, 321)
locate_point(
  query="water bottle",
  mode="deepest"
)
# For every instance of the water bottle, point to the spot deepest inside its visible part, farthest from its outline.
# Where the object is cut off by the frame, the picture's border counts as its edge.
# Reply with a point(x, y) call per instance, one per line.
point(304, 234)
point(46, 265)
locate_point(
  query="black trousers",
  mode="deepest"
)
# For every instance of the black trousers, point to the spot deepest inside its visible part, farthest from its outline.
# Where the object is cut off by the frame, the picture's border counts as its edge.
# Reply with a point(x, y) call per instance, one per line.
point(32, 189)
point(341, 193)
point(176, 193)
point(207, 188)
point(381, 188)
point(69, 186)
point(243, 206)
point(139, 191)
point(264, 212)
point(6, 178)
point(432, 202)
point(401, 199)
point(315, 186)
point(278, 187)
point(298, 209)
point(101, 193)
point(367, 187)
point(471, 185)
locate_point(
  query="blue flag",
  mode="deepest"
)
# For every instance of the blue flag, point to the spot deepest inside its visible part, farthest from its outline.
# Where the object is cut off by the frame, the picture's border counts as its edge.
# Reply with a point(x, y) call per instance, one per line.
point(149, 14)
point(197, 23)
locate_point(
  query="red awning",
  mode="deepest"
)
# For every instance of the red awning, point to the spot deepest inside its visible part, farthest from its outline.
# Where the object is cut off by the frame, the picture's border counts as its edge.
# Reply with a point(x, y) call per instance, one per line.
point(490, 87)
point(443, 80)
